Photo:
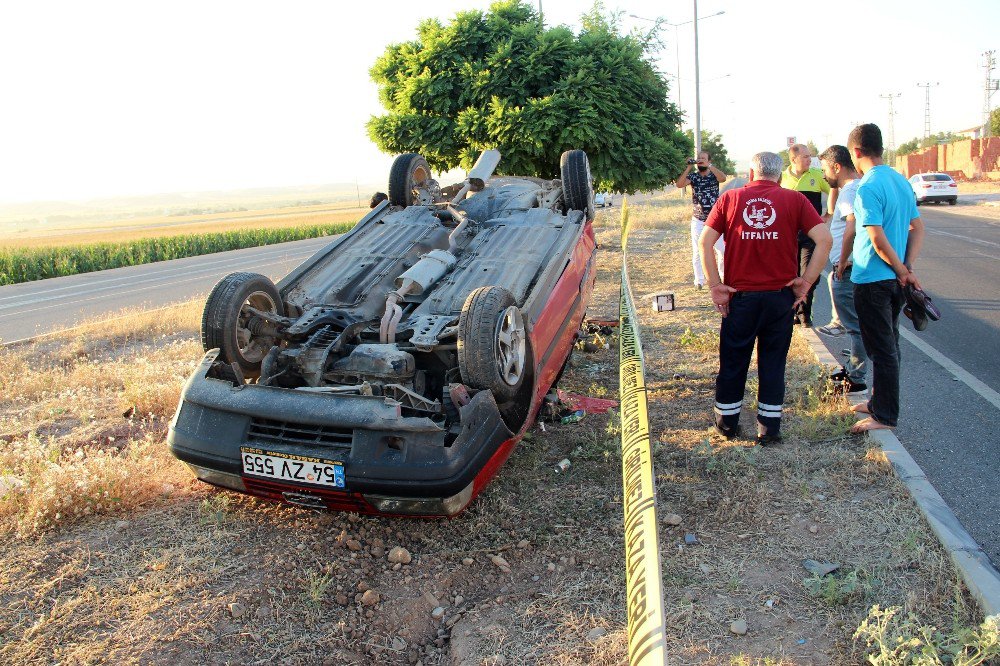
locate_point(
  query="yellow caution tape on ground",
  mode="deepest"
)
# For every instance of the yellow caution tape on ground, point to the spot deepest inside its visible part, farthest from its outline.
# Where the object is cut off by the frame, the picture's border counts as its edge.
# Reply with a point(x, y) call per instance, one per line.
point(643, 580)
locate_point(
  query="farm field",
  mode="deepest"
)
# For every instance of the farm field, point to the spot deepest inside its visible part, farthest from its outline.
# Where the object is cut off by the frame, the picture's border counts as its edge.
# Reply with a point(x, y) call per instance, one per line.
point(124, 230)
point(114, 554)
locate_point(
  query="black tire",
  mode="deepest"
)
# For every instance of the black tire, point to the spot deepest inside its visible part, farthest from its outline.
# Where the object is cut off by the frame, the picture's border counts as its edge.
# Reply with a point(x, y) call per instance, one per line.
point(578, 190)
point(408, 171)
point(224, 321)
point(952, 202)
point(484, 360)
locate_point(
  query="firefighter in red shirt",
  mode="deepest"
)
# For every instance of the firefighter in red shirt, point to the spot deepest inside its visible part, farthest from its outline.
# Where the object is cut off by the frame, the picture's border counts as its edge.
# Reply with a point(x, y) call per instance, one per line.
point(760, 224)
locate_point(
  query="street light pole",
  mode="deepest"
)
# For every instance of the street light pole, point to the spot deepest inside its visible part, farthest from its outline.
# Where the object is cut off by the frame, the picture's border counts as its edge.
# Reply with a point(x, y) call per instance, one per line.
point(697, 88)
point(677, 50)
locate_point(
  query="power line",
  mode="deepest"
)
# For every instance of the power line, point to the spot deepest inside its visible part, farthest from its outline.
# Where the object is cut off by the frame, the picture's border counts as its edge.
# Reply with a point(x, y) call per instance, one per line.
point(892, 116)
point(927, 106)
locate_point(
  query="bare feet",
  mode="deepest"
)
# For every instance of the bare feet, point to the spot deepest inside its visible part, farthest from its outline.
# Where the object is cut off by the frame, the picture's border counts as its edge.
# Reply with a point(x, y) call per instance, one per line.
point(868, 424)
point(860, 408)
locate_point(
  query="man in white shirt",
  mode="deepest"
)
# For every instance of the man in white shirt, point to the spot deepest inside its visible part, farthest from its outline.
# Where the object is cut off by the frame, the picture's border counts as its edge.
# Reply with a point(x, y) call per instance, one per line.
point(839, 172)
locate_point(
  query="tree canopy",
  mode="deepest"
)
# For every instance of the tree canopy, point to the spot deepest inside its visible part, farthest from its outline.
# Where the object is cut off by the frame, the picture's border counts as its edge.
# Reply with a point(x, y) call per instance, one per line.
point(500, 79)
point(712, 144)
point(995, 122)
point(915, 144)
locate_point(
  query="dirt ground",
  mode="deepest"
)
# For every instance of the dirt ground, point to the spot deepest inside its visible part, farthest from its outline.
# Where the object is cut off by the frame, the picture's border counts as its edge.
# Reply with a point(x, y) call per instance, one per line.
point(114, 555)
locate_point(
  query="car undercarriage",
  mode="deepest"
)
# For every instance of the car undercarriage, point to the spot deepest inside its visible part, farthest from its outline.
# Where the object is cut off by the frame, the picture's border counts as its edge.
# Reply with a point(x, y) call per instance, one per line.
point(400, 363)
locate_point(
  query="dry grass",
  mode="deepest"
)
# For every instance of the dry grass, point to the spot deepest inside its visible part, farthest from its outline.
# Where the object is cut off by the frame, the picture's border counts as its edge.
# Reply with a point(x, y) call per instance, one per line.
point(183, 574)
point(84, 416)
point(979, 187)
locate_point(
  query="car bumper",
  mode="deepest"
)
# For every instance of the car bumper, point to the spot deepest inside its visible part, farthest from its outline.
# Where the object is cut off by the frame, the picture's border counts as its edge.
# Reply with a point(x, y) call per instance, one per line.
point(393, 464)
point(933, 198)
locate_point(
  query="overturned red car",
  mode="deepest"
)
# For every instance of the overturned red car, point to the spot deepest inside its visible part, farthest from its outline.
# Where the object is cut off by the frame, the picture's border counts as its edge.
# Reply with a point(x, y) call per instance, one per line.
point(394, 371)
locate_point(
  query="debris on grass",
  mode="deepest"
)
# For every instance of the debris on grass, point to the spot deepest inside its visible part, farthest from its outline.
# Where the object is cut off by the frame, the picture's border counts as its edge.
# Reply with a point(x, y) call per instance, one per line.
point(164, 568)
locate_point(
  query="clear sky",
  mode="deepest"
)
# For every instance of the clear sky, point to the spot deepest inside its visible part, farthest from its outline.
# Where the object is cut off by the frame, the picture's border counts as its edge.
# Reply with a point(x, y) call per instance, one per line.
point(112, 98)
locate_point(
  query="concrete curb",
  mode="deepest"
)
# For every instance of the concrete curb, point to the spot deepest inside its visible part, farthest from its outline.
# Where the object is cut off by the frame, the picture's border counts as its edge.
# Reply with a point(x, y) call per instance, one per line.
point(979, 575)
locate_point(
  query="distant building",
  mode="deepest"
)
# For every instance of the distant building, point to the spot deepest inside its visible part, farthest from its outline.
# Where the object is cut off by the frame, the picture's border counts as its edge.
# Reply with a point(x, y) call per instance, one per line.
point(972, 132)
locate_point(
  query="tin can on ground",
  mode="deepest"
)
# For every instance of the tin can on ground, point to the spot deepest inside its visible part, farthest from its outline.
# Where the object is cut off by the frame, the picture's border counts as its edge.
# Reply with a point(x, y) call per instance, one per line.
point(663, 301)
point(563, 465)
point(574, 417)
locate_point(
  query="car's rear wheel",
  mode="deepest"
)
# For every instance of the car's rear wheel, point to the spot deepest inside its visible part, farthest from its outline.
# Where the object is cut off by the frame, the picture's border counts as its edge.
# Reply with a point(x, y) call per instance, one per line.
point(492, 343)
point(229, 324)
point(409, 172)
point(578, 190)
point(952, 202)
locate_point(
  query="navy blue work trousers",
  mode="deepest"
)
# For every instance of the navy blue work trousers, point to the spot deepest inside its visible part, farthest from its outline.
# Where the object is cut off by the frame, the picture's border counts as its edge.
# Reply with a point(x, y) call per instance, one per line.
point(763, 318)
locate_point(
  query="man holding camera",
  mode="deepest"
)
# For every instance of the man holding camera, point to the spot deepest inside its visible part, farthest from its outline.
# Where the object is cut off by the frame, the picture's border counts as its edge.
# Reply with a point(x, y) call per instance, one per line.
point(704, 184)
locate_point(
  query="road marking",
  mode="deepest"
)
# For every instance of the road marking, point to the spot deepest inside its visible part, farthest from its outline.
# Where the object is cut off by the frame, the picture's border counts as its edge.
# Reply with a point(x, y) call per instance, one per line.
point(955, 369)
point(95, 278)
point(983, 254)
point(976, 385)
point(201, 276)
point(977, 241)
point(88, 324)
point(116, 282)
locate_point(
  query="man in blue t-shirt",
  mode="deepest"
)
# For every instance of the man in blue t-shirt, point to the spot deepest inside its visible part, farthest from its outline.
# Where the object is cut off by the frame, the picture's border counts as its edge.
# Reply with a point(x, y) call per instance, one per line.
point(889, 236)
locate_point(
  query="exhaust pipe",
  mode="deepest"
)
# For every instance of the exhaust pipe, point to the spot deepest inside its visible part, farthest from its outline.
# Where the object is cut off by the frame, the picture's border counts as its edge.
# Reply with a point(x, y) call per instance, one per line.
point(480, 173)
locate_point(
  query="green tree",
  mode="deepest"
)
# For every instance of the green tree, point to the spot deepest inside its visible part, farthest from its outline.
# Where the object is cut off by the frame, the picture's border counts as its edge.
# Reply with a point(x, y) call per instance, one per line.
point(915, 144)
point(910, 146)
point(712, 144)
point(995, 122)
point(500, 79)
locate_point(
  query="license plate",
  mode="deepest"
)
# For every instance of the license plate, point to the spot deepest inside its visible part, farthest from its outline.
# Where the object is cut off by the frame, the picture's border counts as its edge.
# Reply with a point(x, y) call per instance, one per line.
point(288, 467)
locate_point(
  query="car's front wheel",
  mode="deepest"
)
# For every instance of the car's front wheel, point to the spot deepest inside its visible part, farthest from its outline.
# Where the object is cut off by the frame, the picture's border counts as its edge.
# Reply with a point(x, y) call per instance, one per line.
point(229, 323)
point(492, 343)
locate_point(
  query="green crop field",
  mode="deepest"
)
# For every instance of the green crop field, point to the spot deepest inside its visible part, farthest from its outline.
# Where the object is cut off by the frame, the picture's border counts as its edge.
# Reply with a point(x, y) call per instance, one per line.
point(38, 263)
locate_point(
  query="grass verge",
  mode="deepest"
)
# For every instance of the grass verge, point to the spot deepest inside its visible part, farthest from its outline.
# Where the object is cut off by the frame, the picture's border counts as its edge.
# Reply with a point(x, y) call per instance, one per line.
point(165, 570)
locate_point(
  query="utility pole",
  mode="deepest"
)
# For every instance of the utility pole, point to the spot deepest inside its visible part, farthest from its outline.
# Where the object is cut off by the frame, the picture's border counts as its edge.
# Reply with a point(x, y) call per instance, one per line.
point(677, 46)
point(697, 88)
point(927, 106)
point(990, 88)
point(892, 122)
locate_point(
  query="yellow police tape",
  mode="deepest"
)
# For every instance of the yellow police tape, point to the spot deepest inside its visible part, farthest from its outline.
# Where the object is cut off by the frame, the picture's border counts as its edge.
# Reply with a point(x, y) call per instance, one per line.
point(643, 580)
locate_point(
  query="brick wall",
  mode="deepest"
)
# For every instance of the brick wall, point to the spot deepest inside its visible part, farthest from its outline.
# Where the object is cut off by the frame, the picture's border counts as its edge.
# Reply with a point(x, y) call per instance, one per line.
point(972, 158)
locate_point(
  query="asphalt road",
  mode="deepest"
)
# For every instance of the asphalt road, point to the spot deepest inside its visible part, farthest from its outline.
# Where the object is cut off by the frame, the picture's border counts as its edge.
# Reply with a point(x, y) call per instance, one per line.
point(37, 308)
point(946, 424)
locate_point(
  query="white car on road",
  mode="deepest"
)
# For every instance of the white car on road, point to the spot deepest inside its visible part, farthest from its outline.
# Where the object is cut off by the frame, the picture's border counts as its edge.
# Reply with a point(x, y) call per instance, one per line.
point(929, 187)
point(603, 199)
